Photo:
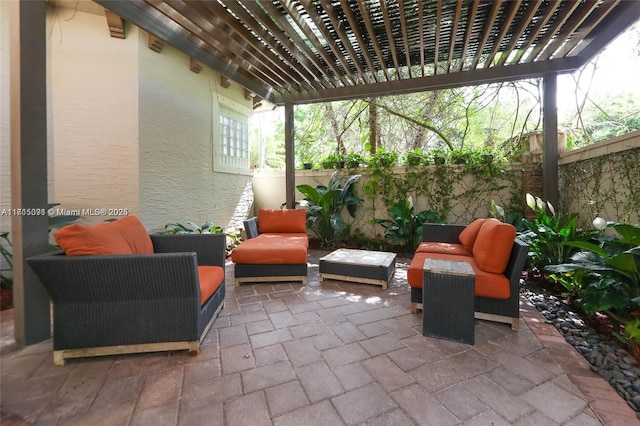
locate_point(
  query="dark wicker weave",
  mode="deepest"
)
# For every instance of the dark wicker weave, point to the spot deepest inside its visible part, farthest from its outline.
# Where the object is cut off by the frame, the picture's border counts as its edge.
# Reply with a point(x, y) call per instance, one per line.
point(448, 304)
point(143, 302)
point(266, 272)
point(502, 310)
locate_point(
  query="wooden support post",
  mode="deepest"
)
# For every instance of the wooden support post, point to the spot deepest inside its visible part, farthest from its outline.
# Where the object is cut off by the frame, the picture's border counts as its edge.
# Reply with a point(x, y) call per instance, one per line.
point(28, 108)
point(290, 173)
point(550, 136)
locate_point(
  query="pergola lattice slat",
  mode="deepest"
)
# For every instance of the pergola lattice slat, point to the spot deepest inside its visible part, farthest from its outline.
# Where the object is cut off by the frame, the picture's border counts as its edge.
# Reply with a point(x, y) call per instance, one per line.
point(304, 50)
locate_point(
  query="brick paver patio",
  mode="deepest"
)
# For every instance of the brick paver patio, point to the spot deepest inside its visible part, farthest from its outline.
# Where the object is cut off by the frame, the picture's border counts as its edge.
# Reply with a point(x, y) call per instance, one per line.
point(328, 353)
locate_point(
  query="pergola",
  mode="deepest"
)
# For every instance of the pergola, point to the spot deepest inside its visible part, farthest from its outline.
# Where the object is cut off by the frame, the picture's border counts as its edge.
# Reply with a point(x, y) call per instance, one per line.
point(302, 51)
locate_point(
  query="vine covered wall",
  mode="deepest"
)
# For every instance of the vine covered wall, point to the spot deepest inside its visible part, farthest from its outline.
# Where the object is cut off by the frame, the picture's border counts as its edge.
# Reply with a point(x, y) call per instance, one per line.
point(457, 193)
point(602, 180)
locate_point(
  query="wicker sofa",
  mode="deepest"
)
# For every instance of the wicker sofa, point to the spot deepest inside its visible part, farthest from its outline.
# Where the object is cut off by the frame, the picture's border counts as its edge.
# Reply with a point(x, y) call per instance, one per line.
point(275, 248)
point(495, 255)
point(120, 290)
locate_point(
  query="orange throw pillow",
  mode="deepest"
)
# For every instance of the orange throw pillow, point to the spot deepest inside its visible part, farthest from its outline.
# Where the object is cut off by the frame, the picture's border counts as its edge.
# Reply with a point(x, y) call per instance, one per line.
point(469, 234)
point(492, 248)
point(284, 220)
point(124, 236)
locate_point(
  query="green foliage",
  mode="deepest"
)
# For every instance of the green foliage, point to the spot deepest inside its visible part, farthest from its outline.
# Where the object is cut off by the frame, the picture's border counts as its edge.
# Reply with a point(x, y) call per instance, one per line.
point(439, 156)
point(588, 184)
point(191, 228)
point(325, 205)
point(405, 227)
point(333, 161)
point(512, 218)
point(461, 156)
point(605, 118)
point(362, 241)
point(550, 235)
point(605, 277)
point(415, 157)
point(354, 160)
point(233, 238)
point(384, 158)
point(6, 281)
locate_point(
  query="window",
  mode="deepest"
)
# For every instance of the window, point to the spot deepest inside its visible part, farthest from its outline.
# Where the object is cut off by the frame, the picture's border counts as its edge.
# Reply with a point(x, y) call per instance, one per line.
point(234, 140)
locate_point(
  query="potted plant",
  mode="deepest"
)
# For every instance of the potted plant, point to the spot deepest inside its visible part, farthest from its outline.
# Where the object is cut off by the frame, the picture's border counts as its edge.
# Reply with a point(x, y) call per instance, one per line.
point(460, 156)
point(333, 161)
point(384, 158)
point(415, 157)
point(439, 156)
point(354, 160)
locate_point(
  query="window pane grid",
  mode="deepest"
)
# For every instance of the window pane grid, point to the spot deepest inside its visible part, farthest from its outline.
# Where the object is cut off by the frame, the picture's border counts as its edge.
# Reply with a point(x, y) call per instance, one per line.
point(234, 138)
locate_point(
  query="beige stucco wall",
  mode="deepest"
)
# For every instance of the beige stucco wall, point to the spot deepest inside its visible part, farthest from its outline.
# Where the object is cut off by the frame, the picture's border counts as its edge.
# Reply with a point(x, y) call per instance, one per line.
point(93, 114)
point(602, 179)
point(133, 129)
point(178, 133)
point(269, 192)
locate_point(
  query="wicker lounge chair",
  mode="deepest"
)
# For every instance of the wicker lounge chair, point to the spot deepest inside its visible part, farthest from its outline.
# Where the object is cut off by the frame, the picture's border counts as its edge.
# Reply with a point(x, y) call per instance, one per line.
point(500, 309)
point(113, 304)
point(275, 249)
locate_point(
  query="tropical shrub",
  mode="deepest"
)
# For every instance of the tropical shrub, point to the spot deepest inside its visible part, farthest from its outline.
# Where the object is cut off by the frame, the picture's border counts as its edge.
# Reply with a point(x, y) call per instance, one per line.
point(325, 205)
point(605, 277)
point(405, 227)
point(550, 234)
point(513, 218)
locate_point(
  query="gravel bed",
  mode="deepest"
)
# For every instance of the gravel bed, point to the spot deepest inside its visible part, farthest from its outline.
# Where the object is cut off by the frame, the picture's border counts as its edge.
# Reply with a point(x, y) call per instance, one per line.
point(606, 356)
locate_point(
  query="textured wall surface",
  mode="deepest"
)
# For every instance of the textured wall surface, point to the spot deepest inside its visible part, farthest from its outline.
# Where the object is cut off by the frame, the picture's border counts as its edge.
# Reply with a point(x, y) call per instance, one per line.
point(129, 128)
point(269, 192)
point(602, 180)
point(94, 114)
point(178, 133)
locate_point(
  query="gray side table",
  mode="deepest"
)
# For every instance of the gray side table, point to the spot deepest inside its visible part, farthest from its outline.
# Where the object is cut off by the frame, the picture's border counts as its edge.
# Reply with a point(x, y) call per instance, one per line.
point(448, 293)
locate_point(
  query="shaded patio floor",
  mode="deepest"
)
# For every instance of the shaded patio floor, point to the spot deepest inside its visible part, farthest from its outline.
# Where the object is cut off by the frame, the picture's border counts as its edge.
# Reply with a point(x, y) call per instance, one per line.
point(329, 353)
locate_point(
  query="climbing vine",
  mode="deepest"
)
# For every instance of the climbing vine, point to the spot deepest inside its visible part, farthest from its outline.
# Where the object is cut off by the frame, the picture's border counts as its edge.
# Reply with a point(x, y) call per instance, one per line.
point(457, 193)
point(605, 186)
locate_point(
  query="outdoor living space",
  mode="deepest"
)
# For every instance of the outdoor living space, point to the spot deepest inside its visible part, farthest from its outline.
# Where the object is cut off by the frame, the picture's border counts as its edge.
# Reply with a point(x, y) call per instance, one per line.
point(327, 353)
point(148, 109)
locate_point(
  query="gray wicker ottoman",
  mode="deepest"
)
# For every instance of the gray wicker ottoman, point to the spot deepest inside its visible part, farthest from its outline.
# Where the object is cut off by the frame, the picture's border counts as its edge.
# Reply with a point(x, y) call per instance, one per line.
point(448, 300)
point(361, 266)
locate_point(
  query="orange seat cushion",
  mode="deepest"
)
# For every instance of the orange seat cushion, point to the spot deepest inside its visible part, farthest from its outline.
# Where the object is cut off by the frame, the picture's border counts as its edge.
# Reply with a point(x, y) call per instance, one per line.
point(492, 248)
point(210, 277)
point(284, 220)
point(469, 234)
point(446, 248)
point(273, 249)
point(495, 286)
point(124, 236)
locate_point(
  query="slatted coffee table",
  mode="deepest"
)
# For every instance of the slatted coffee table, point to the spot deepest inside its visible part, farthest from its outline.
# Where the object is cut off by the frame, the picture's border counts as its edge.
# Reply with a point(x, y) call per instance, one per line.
point(361, 266)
